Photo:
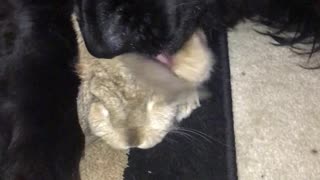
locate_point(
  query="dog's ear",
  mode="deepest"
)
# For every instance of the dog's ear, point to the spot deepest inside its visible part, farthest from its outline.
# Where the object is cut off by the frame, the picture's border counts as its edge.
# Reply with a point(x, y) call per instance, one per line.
point(293, 22)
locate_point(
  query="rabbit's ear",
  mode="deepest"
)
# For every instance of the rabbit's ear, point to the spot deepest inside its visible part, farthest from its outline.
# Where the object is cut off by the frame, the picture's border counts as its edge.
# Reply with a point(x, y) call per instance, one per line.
point(195, 60)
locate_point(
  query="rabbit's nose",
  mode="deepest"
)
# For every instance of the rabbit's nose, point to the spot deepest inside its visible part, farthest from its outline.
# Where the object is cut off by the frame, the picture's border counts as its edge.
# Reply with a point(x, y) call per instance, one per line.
point(133, 137)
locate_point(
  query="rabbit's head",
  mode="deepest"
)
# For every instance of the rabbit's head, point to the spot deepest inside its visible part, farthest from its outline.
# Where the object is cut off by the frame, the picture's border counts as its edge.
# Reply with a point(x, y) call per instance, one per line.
point(133, 101)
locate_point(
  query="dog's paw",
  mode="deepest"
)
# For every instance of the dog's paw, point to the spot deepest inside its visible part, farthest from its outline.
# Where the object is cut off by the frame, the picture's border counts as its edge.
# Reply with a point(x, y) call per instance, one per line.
point(186, 108)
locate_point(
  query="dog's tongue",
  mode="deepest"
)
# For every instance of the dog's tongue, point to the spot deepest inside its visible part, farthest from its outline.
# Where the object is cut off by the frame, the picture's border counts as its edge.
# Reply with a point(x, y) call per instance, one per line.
point(164, 59)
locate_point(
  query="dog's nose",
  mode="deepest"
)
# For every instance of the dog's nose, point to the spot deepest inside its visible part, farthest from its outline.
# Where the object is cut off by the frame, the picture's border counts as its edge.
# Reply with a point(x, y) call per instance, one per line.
point(103, 45)
point(101, 50)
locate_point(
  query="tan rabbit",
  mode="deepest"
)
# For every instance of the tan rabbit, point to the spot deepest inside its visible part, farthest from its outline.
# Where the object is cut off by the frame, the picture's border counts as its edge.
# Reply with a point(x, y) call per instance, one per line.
point(133, 101)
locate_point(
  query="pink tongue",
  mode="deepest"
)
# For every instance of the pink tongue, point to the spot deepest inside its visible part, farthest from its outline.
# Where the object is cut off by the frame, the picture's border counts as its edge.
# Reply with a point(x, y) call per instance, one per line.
point(164, 59)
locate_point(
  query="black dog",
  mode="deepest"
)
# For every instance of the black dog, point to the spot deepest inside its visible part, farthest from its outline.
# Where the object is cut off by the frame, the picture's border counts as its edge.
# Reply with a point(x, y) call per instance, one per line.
point(40, 138)
point(152, 27)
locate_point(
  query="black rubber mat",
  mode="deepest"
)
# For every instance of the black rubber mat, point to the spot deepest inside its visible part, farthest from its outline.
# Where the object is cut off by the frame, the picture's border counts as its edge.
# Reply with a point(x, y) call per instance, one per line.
point(208, 154)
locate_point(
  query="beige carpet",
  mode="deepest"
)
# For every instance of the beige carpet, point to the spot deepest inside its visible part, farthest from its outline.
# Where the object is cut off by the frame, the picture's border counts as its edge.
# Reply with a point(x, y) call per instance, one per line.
point(276, 111)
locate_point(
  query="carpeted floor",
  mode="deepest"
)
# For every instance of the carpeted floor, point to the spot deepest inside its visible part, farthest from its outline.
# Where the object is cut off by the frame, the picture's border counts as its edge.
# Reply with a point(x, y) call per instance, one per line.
point(276, 110)
point(276, 115)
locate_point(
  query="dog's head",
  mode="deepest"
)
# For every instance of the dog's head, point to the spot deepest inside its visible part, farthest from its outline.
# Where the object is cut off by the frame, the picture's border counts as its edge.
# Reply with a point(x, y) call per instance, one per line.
point(152, 27)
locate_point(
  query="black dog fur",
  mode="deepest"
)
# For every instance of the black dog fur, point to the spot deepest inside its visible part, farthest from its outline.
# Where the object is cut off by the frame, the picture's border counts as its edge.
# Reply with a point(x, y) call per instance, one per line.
point(112, 27)
point(40, 138)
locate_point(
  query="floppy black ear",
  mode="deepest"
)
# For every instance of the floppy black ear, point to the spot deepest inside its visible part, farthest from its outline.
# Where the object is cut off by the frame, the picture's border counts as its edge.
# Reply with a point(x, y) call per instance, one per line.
point(293, 22)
